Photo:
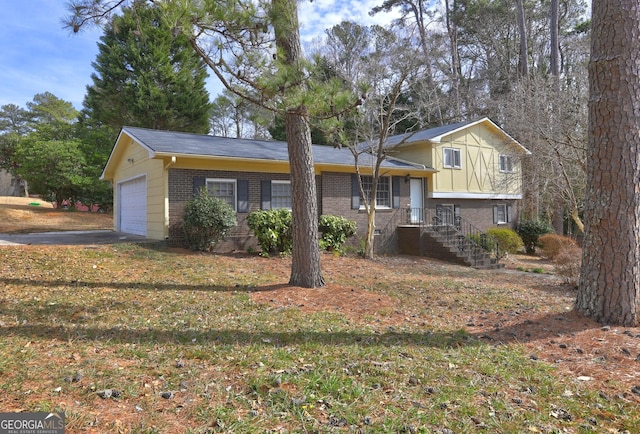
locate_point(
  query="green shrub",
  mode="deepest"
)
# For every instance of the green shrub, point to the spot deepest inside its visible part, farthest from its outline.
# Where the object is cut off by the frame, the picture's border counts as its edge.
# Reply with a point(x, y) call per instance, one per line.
point(206, 221)
point(335, 230)
point(272, 228)
point(530, 231)
point(483, 241)
point(508, 240)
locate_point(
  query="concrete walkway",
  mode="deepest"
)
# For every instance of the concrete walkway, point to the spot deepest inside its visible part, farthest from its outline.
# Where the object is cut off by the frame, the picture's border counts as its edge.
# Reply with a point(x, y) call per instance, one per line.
point(70, 238)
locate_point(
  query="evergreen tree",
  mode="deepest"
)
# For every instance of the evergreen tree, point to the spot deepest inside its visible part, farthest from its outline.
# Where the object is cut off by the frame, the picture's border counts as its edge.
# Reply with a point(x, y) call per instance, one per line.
point(254, 49)
point(146, 76)
point(51, 118)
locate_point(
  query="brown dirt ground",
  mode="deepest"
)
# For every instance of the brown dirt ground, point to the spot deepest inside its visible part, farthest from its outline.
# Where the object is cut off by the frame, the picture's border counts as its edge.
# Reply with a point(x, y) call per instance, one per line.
point(18, 215)
point(604, 358)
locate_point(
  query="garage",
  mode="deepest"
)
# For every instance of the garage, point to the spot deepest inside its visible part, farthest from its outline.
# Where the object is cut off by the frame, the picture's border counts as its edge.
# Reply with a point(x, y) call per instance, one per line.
point(132, 196)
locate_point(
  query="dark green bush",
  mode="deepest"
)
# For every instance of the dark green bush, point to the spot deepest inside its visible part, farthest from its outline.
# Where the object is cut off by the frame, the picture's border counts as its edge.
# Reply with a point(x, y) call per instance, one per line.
point(530, 231)
point(272, 228)
point(335, 230)
point(206, 221)
point(508, 240)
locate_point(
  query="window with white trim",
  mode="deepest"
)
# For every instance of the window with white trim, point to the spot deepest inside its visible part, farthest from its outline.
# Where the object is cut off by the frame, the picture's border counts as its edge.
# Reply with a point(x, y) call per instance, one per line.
point(224, 189)
point(280, 194)
point(383, 191)
point(501, 214)
point(452, 158)
point(505, 163)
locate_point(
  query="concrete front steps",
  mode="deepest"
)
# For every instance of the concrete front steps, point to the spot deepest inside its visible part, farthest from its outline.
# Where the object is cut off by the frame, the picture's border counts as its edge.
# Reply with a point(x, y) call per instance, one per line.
point(446, 244)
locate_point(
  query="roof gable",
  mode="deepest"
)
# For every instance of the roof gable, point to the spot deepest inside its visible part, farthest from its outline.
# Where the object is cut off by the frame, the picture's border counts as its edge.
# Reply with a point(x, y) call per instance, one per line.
point(437, 134)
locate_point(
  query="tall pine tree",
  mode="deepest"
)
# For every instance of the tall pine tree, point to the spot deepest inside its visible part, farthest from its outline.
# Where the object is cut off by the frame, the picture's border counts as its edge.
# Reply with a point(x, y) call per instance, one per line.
point(147, 76)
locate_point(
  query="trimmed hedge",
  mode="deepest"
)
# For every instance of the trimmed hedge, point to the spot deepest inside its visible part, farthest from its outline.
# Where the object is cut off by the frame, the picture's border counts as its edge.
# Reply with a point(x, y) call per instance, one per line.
point(335, 231)
point(272, 228)
point(508, 240)
point(206, 220)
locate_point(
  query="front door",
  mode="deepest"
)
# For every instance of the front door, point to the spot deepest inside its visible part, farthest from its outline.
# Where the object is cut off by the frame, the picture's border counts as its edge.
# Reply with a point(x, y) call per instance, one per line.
point(416, 195)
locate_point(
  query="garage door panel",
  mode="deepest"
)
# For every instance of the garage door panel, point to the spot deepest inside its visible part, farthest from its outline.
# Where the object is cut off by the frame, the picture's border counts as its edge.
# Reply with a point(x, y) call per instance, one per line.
point(133, 206)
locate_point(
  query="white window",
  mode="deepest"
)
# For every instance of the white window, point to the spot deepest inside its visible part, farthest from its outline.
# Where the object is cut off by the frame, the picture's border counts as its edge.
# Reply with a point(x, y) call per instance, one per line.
point(505, 163)
point(224, 189)
point(501, 214)
point(383, 191)
point(280, 194)
point(452, 158)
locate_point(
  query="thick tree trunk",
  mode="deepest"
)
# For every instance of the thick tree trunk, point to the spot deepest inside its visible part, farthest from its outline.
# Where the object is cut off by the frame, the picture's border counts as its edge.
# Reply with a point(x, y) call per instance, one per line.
point(305, 263)
point(523, 60)
point(456, 69)
point(553, 27)
point(610, 273)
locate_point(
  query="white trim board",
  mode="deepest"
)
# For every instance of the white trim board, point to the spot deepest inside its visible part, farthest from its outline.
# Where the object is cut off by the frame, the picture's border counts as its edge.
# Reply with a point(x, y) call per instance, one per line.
point(454, 195)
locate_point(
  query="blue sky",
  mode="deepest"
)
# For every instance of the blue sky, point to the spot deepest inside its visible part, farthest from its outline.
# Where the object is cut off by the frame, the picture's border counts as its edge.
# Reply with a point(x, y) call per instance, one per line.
point(37, 55)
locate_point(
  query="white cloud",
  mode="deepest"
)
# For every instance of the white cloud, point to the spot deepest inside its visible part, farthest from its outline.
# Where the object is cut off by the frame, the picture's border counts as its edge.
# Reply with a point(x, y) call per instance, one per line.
point(317, 16)
point(38, 55)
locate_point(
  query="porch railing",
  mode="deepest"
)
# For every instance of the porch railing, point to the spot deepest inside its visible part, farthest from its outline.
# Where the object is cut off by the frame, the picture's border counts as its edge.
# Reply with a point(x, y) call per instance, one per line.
point(454, 230)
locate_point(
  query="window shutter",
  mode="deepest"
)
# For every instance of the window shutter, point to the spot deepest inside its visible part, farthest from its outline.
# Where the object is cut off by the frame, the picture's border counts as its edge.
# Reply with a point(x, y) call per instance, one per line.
point(395, 190)
point(495, 215)
point(355, 192)
point(243, 195)
point(508, 213)
point(456, 210)
point(265, 194)
point(198, 183)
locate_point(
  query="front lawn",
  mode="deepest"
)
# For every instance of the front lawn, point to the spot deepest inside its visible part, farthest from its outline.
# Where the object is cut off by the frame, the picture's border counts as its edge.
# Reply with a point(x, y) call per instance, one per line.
point(143, 338)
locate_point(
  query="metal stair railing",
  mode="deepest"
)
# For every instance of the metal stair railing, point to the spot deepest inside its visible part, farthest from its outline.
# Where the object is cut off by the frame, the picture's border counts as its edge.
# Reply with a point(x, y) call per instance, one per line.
point(457, 232)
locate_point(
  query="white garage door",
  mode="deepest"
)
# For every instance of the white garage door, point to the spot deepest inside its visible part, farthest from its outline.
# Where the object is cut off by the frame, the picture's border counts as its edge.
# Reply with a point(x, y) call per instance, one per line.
point(133, 206)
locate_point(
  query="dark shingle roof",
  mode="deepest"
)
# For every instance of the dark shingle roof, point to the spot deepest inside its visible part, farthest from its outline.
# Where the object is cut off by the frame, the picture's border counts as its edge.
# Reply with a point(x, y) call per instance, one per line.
point(169, 142)
point(429, 134)
point(435, 134)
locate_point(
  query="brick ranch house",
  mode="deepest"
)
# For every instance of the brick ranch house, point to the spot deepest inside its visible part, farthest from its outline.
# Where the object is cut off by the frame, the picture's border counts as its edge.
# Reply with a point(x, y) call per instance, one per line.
point(442, 175)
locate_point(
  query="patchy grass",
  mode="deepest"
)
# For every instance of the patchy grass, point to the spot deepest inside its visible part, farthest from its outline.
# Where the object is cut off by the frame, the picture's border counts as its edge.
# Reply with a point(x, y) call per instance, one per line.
point(18, 216)
point(186, 342)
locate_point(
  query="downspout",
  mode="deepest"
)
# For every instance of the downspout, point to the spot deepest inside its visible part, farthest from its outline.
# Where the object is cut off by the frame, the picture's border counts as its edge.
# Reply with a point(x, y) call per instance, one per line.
point(166, 217)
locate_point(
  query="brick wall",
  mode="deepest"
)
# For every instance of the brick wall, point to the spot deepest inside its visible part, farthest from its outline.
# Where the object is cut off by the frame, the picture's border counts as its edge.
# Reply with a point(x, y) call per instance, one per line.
point(478, 212)
point(334, 197)
point(336, 200)
point(181, 191)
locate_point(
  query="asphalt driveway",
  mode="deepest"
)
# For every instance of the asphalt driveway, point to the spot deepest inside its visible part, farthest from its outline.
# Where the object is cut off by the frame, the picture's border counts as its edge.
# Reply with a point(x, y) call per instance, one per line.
point(69, 238)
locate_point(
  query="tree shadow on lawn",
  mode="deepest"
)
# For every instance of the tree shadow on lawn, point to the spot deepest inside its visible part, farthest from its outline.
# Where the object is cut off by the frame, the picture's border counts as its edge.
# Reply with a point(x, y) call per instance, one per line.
point(519, 333)
point(150, 335)
point(499, 328)
point(148, 286)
